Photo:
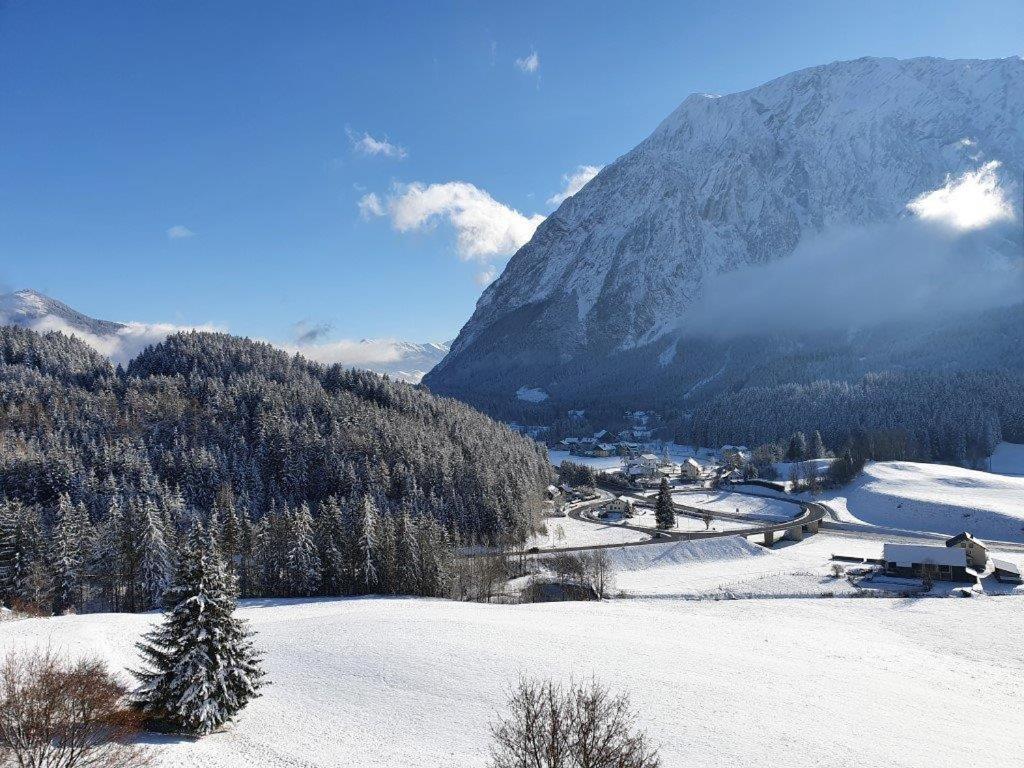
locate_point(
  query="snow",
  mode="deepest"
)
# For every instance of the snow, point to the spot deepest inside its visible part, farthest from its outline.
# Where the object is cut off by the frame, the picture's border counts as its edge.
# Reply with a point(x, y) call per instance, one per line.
point(1008, 459)
point(756, 507)
point(751, 684)
point(909, 554)
point(580, 533)
point(599, 463)
point(935, 498)
point(531, 395)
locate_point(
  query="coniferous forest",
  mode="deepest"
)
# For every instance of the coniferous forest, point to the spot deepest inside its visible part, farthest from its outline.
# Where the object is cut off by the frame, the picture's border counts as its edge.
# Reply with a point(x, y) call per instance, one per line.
point(314, 480)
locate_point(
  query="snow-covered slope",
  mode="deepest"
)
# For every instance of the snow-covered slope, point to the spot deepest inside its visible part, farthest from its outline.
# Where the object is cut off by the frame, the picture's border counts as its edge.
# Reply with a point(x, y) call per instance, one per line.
point(594, 301)
point(936, 498)
point(799, 683)
point(29, 309)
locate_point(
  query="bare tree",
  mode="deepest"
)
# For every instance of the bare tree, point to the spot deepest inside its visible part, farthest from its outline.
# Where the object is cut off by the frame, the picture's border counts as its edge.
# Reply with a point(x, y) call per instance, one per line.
point(581, 726)
point(707, 518)
point(55, 713)
point(600, 572)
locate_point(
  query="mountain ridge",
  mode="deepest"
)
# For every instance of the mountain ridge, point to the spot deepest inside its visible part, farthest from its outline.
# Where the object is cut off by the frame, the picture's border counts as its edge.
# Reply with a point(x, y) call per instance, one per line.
point(723, 184)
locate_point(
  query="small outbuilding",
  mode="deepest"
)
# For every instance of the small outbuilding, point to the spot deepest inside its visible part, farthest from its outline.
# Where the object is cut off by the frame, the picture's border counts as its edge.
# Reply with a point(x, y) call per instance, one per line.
point(1006, 572)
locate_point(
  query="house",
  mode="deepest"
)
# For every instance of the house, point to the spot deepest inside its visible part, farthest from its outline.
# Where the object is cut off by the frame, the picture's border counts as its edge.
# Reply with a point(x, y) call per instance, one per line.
point(605, 449)
point(553, 493)
point(1006, 572)
point(977, 552)
point(923, 561)
point(644, 465)
point(568, 443)
point(622, 505)
point(736, 455)
point(691, 469)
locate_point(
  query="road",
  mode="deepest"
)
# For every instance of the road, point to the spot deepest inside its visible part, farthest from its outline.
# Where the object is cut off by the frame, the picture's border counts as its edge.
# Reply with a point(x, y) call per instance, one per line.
point(810, 512)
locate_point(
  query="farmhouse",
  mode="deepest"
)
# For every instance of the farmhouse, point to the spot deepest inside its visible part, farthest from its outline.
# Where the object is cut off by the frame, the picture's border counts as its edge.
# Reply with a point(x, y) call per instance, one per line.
point(923, 561)
point(644, 465)
point(1006, 572)
point(977, 553)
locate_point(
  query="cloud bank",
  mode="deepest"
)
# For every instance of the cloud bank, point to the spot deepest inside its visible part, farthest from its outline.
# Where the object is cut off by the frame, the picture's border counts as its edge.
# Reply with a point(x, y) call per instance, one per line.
point(574, 182)
point(958, 249)
point(124, 345)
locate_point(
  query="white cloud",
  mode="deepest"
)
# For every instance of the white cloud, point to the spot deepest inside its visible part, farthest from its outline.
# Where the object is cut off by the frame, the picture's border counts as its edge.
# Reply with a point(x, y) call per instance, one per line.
point(349, 352)
point(529, 64)
point(961, 253)
point(368, 145)
point(971, 201)
point(486, 276)
point(179, 232)
point(484, 227)
point(370, 205)
point(574, 182)
point(124, 345)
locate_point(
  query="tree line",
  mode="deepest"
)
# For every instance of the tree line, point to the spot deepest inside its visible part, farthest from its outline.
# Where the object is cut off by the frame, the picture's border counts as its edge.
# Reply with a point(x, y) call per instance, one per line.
point(315, 480)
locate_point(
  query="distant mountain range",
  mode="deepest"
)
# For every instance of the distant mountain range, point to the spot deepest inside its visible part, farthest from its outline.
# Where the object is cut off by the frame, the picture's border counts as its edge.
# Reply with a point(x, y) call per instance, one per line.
point(663, 282)
point(407, 361)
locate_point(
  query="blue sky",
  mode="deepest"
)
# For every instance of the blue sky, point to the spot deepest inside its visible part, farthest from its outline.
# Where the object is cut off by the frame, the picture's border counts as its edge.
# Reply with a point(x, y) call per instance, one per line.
point(197, 162)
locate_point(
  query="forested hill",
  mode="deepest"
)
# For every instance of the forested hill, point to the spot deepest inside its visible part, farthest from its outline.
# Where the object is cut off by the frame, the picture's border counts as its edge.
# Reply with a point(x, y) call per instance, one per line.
point(206, 421)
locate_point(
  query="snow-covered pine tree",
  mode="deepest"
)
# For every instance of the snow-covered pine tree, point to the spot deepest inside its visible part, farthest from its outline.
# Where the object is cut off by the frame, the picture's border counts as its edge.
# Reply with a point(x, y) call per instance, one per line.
point(817, 449)
point(201, 668)
point(107, 561)
point(303, 567)
point(407, 556)
point(155, 569)
point(10, 556)
point(367, 578)
point(72, 537)
point(664, 514)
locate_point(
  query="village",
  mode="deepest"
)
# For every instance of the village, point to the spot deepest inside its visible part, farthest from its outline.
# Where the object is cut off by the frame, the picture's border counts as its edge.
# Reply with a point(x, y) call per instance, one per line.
point(717, 497)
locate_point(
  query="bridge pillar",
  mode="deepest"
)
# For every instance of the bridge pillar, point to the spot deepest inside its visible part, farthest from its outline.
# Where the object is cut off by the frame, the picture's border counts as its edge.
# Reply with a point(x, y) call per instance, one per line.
point(813, 527)
point(796, 533)
point(769, 538)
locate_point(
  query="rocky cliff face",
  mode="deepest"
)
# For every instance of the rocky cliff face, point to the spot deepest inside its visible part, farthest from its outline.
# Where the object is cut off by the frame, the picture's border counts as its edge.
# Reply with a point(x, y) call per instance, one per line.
point(610, 278)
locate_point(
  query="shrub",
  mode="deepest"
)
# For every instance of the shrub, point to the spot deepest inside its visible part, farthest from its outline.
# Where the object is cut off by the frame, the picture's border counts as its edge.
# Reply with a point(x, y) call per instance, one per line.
point(55, 712)
point(579, 726)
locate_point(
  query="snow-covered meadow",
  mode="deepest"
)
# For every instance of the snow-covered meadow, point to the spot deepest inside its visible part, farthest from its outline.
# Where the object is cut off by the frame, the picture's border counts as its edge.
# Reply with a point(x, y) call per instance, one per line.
point(407, 683)
point(934, 498)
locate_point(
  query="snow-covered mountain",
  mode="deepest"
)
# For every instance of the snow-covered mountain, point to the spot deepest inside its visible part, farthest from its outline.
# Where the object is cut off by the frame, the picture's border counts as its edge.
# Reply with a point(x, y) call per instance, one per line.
point(31, 309)
point(602, 298)
point(121, 342)
point(413, 360)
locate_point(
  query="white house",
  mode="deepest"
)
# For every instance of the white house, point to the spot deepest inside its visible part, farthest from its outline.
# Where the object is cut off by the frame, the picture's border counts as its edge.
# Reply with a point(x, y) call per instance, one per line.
point(644, 465)
point(977, 552)
point(691, 469)
point(622, 505)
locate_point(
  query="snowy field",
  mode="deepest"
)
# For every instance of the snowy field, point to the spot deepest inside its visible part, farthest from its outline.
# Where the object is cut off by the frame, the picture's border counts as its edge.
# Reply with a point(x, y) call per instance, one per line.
point(757, 508)
point(798, 683)
point(580, 533)
point(935, 498)
point(1008, 459)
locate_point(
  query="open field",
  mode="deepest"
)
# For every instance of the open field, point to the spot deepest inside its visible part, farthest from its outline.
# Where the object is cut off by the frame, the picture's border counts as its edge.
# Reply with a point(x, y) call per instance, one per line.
point(801, 683)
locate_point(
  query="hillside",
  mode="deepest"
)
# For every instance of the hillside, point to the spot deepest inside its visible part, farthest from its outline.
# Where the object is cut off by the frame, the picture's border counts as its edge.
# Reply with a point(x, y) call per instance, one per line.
point(304, 472)
point(934, 497)
point(404, 683)
point(747, 242)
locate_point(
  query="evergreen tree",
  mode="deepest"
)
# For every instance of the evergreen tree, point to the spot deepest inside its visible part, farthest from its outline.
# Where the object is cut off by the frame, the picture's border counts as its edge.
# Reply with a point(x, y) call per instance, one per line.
point(70, 548)
point(817, 448)
point(367, 556)
point(155, 570)
point(303, 569)
point(664, 513)
point(407, 557)
point(797, 447)
point(201, 668)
